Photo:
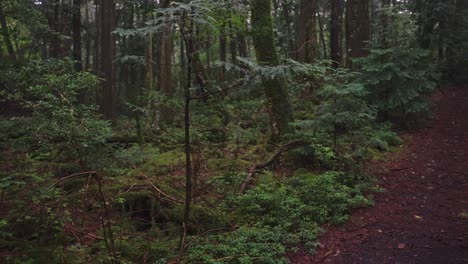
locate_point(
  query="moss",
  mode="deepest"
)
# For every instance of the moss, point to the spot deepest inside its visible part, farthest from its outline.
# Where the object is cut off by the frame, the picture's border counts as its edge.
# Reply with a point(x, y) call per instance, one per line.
point(227, 165)
point(267, 55)
point(163, 163)
point(203, 218)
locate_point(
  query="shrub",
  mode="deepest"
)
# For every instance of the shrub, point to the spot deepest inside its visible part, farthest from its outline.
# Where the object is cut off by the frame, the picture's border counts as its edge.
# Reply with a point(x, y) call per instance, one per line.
point(398, 81)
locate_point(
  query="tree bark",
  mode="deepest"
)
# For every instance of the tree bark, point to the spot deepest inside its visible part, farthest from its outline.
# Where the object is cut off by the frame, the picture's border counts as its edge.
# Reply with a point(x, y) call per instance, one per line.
point(6, 35)
point(357, 30)
point(322, 34)
point(88, 40)
point(275, 88)
point(76, 30)
point(165, 73)
point(107, 47)
point(336, 25)
point(307, 31)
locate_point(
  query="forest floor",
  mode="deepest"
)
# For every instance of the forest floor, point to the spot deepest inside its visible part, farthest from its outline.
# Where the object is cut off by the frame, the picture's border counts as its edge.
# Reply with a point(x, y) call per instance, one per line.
point(422, 216)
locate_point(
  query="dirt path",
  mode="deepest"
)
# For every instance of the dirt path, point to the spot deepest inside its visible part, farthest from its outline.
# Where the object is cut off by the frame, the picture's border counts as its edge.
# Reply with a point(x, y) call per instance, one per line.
point(422, 217)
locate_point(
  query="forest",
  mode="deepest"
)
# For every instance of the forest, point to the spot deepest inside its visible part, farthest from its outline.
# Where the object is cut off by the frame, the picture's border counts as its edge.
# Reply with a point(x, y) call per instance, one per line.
point(231, 131)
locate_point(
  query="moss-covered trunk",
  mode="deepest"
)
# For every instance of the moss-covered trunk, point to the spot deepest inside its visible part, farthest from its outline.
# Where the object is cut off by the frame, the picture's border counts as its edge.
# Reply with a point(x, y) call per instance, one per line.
point(267, 55)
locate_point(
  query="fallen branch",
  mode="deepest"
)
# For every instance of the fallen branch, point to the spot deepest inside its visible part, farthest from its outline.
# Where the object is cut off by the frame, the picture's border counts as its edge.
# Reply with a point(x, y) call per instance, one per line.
point(159, 191)
point(74, 175)
point(256, 168)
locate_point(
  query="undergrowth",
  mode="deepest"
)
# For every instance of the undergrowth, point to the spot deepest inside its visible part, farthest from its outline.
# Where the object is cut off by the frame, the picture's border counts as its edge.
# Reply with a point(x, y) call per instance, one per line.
point(72, 193)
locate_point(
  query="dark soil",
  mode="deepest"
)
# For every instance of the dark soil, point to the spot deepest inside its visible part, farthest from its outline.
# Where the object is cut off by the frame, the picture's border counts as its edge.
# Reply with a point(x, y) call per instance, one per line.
point(422, 216)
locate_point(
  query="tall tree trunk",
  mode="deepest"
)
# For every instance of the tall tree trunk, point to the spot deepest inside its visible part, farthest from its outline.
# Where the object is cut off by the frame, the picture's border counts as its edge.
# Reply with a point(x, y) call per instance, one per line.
point(165, 68)
point(288, 20)
point(322, 34)
point(357, 30)
point(6, 35)
point(97, 39)
point(232, 42)
point(457, 46)
point(165, 73)
point(76, 29)
point(307, 31)
point(275, 88)
point(222, 57)
point(56, 43)
point(242, 43)
point(107, 47)
point(149, 62)
point(187, 39)
point(385, 21)
point(88, 39)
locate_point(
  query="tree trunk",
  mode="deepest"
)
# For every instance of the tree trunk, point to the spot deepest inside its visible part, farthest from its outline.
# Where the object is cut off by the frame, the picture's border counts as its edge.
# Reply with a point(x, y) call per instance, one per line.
point(97, 40)
point(275, 88)
point(107, 47)
point(357, 30)
point(187, 39)
point(88, 40)
point(222, 57)
point(336, 24)
point(56, 43)
point(6, 36)
point(165, 73)
point(165, 70)
point(76, 29)
point(149, 62)
point(307, 31)
point(232, 42)
point(385, 21)
point(322, 35)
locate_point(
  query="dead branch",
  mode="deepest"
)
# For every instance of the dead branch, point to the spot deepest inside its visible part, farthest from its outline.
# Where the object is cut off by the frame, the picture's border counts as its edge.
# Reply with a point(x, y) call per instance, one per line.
point(74, 175)
point(256, 168)
point(159, 191)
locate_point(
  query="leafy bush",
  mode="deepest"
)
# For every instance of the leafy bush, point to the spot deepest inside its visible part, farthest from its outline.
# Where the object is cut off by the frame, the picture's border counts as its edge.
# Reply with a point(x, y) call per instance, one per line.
point(50, 91)
point(399, 81)
point(245, 245)
point(326, 197)
point(288, 216)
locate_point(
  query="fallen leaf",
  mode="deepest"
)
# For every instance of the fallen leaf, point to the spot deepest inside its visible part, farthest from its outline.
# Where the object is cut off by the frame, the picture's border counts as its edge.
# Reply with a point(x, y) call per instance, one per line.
point(418, 217)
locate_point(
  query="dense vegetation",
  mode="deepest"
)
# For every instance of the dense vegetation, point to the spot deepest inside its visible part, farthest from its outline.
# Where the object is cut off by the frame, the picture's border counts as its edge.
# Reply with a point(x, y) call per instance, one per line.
point(208, 131)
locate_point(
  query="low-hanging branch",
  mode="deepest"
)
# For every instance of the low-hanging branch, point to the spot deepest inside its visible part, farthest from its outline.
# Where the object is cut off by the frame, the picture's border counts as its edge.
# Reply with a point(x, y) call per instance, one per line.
point(258, 167)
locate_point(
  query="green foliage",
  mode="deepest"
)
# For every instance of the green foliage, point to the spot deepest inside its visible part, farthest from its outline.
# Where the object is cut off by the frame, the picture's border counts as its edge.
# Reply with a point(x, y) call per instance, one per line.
point(399, 81)
point(400, 28)
point(342, 106)
point(243, 246)
point(343, 123)
point(326, 197)
point(50, 90)
point(288, 215)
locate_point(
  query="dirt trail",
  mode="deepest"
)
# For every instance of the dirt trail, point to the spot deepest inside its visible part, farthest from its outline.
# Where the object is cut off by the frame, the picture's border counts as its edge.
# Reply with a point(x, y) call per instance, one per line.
point(422, 217)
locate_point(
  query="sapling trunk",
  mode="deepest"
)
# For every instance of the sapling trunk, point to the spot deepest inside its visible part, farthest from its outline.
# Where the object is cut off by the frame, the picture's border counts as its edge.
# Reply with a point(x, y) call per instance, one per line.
point(188, 162)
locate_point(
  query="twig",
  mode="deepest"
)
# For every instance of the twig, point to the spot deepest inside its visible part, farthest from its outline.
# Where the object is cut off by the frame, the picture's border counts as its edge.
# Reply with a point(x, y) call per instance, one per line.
point(182, 242)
